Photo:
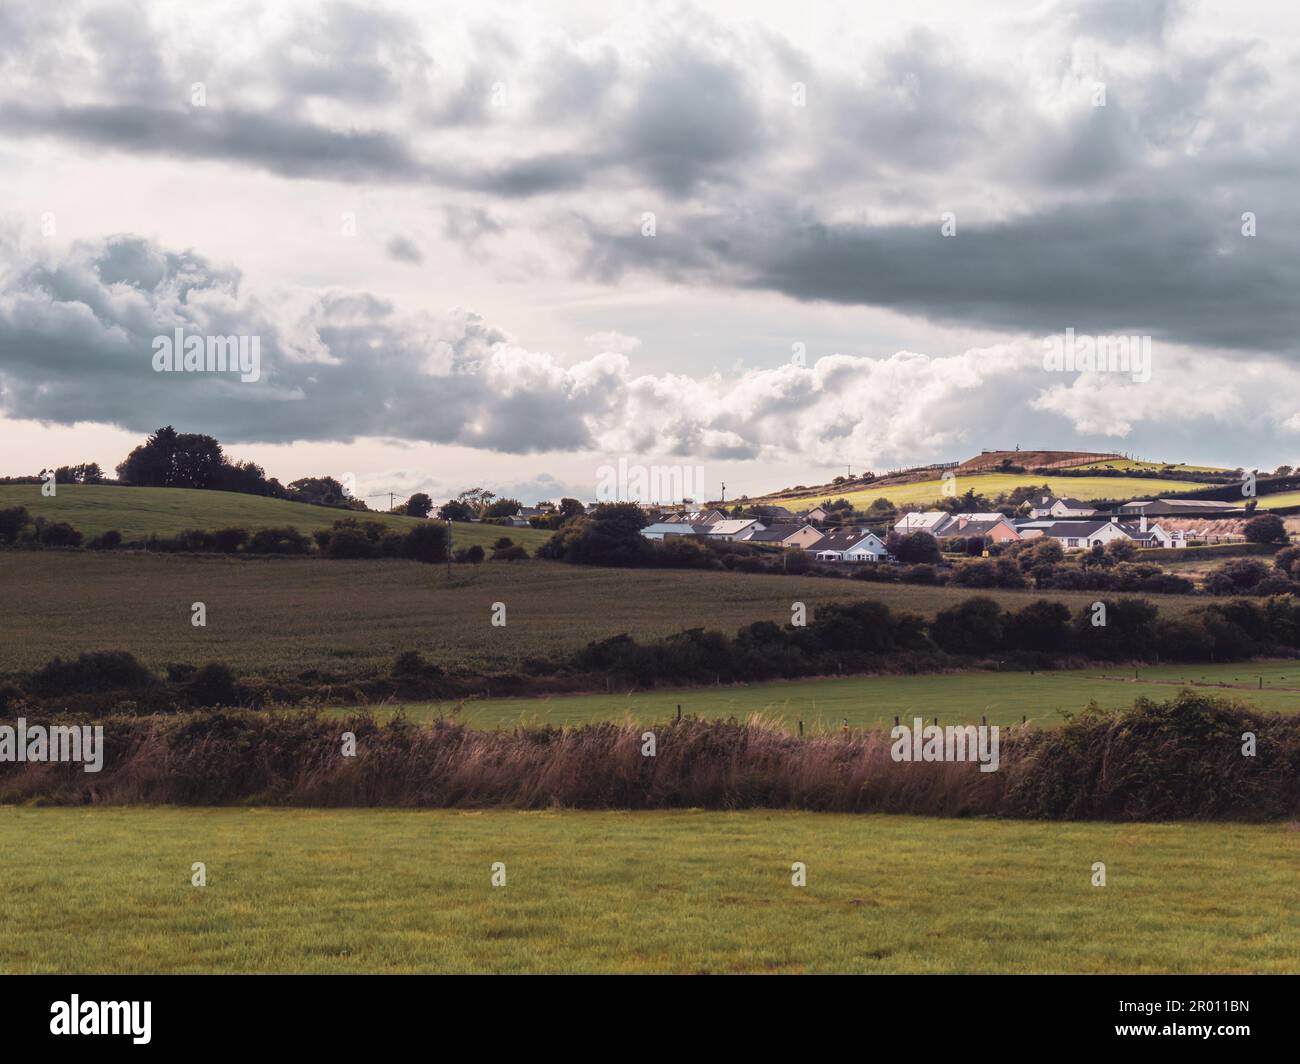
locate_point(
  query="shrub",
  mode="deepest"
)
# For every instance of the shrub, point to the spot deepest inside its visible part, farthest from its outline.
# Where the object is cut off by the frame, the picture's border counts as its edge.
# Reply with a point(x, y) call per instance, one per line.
point(213, 685)
point(1267, 528)
point(58, 534)
point(100, 670)
point(110, 540)
point(509, 554)
point(229, 540)
point(428, 543)
point(278, 541)
point(349, 541)
point(12, 523)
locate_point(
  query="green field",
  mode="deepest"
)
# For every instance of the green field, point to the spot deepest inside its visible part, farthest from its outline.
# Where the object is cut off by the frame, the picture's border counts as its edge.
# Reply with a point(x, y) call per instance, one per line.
point(870, 701)
point(1149, 467)
point(925, 492)
point(109, 891)
point(281, 616)
point(139, 512)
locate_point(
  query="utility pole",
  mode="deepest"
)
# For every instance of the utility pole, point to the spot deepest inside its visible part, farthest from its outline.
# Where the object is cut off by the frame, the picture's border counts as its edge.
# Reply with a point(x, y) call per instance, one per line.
point(724, 493)
point(449, 524)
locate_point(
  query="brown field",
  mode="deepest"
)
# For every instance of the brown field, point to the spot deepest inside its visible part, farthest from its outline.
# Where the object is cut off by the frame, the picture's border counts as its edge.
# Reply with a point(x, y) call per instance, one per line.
point(281, 616)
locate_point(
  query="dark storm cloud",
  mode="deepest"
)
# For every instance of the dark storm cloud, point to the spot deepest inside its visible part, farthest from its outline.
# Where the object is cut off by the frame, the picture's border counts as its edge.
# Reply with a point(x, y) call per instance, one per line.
point(1175, 269)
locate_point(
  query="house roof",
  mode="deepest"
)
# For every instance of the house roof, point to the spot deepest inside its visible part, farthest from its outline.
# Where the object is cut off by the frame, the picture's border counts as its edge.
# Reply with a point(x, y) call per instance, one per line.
point(929, 521)
point(1047, 501)
point(731, 527)
point(1070, 529)
point(772, 535)
point(840, 541)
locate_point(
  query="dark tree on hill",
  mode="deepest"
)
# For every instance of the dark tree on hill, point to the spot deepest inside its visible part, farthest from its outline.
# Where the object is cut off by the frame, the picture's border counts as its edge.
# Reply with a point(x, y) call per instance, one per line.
point(86, 473)
point(426, 543)
point(171, 459)
point(1267, 528)
point(502, 508)
point(324, 491)
point(455, 510)
point(419, 505)
point(609, 535)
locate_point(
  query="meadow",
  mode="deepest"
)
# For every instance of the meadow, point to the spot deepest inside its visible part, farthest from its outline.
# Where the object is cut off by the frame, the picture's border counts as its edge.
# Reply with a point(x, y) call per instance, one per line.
point(108, 890)
point(924, 492)
point(281, 616)
point(1004, 698)
point(140, 512)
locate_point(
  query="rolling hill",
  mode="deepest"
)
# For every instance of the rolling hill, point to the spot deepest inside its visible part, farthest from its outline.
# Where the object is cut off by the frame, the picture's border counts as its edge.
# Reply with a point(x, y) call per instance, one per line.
point(140, 512)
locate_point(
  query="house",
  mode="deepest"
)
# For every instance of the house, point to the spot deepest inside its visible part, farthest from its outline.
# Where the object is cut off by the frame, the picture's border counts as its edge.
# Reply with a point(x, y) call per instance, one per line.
point(1175, 508)
point(805, 538)
point(734, 528)
point(774, 534)
point(1084, 535)
point(1054, 506)
point(932, 521)
point(661, 530)
point(871, 548)
point(817, 513)
point(851, 545)
point(993, 527)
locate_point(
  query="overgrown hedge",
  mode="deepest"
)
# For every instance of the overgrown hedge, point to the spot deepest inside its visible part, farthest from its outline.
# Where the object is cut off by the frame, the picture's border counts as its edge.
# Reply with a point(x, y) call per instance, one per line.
point(1174, 760)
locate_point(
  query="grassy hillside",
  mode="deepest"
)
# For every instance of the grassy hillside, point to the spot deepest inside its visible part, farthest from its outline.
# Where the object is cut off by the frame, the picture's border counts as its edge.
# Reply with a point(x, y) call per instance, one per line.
point(684, 891)
point(285, 615)
point(924, 492)
point(869, 701)
point(138, 512)
point(1150, 467)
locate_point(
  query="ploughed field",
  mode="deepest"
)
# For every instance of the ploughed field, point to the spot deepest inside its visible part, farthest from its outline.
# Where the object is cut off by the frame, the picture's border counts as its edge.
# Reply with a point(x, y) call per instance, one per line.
point(283, 616)
point(109, 890)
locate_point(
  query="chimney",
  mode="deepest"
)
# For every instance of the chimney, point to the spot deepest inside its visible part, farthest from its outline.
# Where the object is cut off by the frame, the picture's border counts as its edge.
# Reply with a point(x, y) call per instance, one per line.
point(1144, 521)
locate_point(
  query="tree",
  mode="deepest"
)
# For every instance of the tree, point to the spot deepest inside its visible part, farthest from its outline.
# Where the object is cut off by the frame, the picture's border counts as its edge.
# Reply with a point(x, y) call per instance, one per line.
point(419, 505)
point(323, 491)
point(455, 510)
point(571, 507)
point(501, 508)
point(915, 548)
point(171, 459)
point(1283, 471)
point(1267, 528)
point(427, 543)
point(12, 523)
point(610, 535)
point(1121, 550)
point(973, 627)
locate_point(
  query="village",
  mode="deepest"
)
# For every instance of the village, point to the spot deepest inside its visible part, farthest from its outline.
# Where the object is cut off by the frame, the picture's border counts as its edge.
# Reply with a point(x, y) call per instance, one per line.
point(1077, 526)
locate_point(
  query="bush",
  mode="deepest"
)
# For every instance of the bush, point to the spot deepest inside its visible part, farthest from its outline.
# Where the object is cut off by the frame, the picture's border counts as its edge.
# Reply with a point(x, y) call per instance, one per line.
point(58, 534)
point(428, 543)
point(94, 672)
point(213, 685)
point(350, 541)
point(1267, 528)
point(973, 627)
point(279, 541)
point(12, 523)
point(509, 554)
point(229, 540)
point(110, 540)
point(472, 555)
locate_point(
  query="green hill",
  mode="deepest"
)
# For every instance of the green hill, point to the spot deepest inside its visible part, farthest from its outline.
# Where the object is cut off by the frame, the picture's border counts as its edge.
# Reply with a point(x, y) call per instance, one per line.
point(140, 512)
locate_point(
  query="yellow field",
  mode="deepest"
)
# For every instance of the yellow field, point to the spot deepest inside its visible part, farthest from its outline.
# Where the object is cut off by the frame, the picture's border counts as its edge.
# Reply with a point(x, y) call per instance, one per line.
point(990, 485)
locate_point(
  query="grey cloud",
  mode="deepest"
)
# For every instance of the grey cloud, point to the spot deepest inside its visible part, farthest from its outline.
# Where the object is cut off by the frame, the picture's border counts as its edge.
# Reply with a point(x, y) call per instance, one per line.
point(405, 250)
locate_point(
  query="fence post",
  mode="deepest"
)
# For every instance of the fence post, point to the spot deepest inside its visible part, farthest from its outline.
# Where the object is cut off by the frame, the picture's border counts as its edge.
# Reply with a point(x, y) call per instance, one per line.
point(679, 712)
point(801, 729)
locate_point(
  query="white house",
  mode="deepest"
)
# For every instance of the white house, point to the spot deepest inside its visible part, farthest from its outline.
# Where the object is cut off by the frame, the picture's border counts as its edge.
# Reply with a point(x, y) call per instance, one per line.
point(930, 521)
point(734, 528)
point(871, 548)
point(663, 529)
point(1052, 506)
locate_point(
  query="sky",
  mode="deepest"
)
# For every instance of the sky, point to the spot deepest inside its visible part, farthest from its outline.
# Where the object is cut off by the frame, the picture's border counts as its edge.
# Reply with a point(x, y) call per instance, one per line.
point(510, 246)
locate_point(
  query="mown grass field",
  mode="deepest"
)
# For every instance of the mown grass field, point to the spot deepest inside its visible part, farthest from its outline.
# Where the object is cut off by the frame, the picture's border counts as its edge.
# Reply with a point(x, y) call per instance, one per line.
point(139, 512)
point(873, 701)
point(281, 616)
point(109, 891)
point(991, 485)
point(1149, 467)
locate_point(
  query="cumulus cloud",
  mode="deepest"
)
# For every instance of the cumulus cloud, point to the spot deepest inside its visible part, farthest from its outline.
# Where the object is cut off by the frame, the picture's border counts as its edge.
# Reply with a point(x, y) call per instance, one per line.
point(77, 332)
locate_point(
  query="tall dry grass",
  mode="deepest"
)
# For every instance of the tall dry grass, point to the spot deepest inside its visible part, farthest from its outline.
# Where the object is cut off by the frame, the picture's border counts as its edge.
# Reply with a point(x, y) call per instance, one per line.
point(1159, 760)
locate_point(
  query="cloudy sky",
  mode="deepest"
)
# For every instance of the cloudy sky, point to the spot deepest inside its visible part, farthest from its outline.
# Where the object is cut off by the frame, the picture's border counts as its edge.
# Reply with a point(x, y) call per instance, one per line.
point(510, 245)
